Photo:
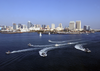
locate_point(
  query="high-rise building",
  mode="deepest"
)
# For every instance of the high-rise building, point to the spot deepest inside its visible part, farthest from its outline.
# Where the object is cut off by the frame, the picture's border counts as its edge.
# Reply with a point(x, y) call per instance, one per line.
point(52, 26)
point(43, 26)
point(78, 25)
point(87, 28)
point(29, 25)
point(15, 27)
point(60, 25)
point(24, 27)
point(20, 26)
point(72, 25)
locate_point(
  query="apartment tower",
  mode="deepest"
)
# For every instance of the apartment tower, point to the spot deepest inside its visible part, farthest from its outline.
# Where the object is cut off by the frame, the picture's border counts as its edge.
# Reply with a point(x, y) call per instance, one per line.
point(52, 26)
point(78, 25)
point(72, 25)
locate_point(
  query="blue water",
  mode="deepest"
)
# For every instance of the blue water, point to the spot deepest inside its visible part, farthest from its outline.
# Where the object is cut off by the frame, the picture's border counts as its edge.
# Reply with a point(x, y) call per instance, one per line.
point(64, 58)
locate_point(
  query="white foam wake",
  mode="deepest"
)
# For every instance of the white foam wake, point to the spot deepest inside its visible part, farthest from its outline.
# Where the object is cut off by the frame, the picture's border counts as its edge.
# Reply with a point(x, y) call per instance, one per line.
point(24, 50)
point(44, 51)
point(63, 41)
point(51, 45)
point(80, 47)
point(43, 45)
point(72, 42)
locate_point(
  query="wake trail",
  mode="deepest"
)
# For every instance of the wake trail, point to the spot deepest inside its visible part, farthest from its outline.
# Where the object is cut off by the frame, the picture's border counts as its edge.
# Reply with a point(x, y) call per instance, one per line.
point(24, 50)
point(43, 52)
point(63, 41)
point(42, 45)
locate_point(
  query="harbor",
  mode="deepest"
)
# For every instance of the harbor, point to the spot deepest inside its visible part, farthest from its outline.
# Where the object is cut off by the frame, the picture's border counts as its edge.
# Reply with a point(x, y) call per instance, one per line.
point(49, 50)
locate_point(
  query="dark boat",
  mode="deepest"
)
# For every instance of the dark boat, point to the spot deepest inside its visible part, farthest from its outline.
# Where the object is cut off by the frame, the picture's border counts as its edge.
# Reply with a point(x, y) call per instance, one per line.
point(8, 52)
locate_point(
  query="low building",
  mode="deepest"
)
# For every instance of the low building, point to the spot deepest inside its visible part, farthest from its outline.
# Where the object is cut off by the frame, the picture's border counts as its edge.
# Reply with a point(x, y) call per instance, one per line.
point(59, 29)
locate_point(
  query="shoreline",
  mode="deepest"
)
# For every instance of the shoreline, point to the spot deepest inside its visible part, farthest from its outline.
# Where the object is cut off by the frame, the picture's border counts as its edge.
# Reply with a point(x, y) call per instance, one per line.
point(47, 32)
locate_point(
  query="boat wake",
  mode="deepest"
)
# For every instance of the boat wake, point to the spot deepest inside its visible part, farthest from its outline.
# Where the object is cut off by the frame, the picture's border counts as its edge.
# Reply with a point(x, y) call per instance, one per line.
point(43, 52)
point(24, 50)
point(52, 45)
point(42, 45)
point(80, 47)
point(56, 41)
point(72, 42)
point(63, 41)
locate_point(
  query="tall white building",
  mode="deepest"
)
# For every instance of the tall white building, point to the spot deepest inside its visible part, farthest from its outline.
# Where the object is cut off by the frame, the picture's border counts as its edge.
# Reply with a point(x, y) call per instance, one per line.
point(52, 26)
point(72, 25)
point(78, 25)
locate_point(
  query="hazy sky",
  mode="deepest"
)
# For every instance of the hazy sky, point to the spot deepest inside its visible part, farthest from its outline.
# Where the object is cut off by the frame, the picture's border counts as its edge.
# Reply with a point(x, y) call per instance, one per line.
point(50, 11)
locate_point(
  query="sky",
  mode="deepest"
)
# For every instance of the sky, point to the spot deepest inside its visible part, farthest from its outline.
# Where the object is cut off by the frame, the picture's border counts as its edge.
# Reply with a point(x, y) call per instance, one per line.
point(46, 12)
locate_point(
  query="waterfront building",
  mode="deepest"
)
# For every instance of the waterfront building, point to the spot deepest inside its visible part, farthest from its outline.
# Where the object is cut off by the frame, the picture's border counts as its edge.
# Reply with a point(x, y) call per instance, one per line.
point(78, 25)
point(0, 28)
point(72, 25)
point(66, 29)
point(37, 26)
point(5, 26)
point(60, 25)
point(48, 27)
point(10, 28)
point(52, 26)
point(43, 26)
point(29, 25)
point(24, 27)
point(58, 29)
point(20, 26)
point(15, 27)
point(87, 28)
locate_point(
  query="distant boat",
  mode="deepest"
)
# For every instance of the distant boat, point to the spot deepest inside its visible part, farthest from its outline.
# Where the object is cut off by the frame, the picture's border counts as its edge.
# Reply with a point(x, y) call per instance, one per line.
point(49, 40)
point(43, 54)
point(30, 44)
point(69, 43)
point(40, 34)
point(49, 33)
point(56, 45)
point(87, 50)
point(8, 52)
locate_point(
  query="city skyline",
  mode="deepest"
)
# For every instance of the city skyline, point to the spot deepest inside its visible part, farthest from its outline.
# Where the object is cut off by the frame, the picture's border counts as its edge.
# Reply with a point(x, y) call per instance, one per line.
point(50, 11)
